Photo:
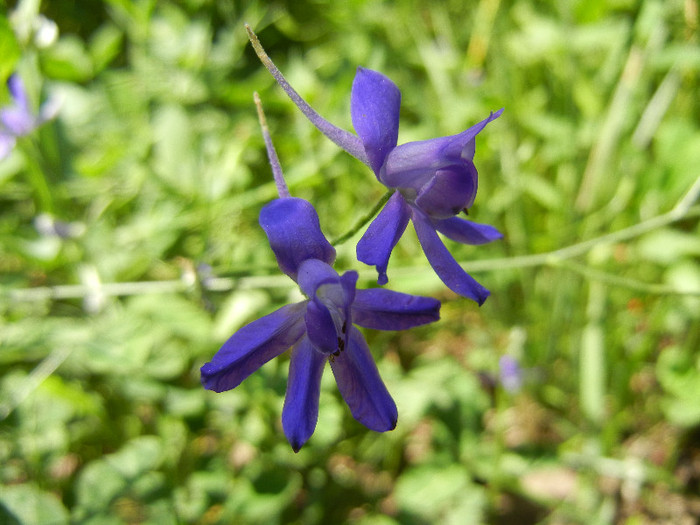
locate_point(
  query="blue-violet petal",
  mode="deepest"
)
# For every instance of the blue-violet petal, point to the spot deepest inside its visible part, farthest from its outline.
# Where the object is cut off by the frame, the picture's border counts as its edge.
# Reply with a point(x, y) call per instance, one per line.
point(361, 387)
point(448, 192)
point(445, 266)
point(252, 346)
point(467, 232)
point(300, 412)
point(320, 327)
point(382, 309)
point(375, 246)
point(374, 105)
point(314, 273)
point(292, 227)
point(463, 144)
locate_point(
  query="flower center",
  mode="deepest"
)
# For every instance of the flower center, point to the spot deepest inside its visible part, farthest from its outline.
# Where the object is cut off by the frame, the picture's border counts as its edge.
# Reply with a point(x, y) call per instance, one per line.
point(334, 298)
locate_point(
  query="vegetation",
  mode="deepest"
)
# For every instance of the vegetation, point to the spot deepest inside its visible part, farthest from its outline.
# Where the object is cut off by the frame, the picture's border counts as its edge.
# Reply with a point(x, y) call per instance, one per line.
point(130, 251)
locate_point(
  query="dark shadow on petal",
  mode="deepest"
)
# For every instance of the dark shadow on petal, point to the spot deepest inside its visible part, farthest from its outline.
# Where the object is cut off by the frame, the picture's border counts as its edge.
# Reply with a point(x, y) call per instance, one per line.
point(320, 327)
point(448, 192)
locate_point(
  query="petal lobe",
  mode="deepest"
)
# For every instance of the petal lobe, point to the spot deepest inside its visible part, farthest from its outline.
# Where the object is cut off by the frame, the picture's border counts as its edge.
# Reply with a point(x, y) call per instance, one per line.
point(252, 346)
point(375, 246)
point(294, 232)
point(300, 412)
point(361, 387)
point(374, 106)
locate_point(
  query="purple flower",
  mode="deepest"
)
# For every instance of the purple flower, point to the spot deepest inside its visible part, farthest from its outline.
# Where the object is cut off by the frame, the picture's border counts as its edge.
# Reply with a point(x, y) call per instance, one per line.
point(17, 119)
point(318, 329)
point(510, 374)
point(434, 179)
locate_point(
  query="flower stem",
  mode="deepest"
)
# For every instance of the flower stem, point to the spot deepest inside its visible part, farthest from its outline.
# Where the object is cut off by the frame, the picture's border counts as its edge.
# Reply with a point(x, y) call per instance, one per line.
point(364, 219)
point(684, 209)
point(344, 139)
point(282, 188)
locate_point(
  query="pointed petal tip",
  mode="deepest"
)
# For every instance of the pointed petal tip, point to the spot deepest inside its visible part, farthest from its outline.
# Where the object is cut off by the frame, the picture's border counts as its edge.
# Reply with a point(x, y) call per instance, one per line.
point(467, 232)
point(390, 423)
point(300, 411)
point(214, 380)
point(205, 375)
point(296, 437)
point(295, 440)
point(387, 426)
point(482, 297)
point(446, 267)
point(208, 379)
point(378, 241)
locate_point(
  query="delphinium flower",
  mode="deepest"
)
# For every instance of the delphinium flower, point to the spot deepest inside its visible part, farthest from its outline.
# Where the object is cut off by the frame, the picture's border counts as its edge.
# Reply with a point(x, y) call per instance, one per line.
point(18, 119)
point(433, 179)
point(319, 328)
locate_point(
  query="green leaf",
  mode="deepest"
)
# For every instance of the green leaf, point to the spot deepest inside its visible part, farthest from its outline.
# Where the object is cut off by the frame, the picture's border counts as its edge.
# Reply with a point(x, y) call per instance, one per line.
point(543, 192)
point(9, 49)
point(678, 373)
point(174, 149)
point(685, 277)
point(29, 505)
point(138, 456)
point(105, 45)
point(440, 494)
point(98, 484)
point(68, 60)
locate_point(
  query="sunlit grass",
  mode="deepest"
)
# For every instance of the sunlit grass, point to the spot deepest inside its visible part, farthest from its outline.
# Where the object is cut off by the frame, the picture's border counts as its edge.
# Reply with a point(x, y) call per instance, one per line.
point(145, 254)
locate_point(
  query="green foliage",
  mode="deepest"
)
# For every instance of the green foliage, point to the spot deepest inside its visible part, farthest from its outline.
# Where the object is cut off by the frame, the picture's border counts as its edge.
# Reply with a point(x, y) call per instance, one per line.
point(155, 166)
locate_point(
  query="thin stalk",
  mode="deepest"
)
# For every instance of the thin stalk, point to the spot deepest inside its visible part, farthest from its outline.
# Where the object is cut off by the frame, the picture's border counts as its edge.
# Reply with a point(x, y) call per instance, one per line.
point(623, 282)
point(344, 139)
point(363, 220)
point(282, 188)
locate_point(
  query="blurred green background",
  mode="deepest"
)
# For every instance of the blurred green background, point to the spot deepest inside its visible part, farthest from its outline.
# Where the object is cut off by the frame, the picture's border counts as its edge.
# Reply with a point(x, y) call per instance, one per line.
point(130, 250)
